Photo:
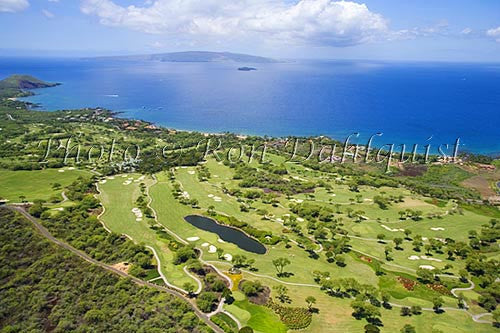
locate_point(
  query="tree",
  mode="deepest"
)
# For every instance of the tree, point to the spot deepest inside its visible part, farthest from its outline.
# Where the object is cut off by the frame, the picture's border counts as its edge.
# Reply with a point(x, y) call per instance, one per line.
point(386, 297)
point(425, 275)
point(250, 288)
point(496, 317)
point(282, 294)
point(380, 238)
point(437, 303)
point(407, 233)
point(340, 260)
point(364, 310)
point(189, 287)
point(387, 250)
point(280, 264)
point(405, 311)
point(370, 328)
point(310, 300)
point(239, 260)
point(408, 329)
point(220, 252)
point(397, 242)
point(416, 310)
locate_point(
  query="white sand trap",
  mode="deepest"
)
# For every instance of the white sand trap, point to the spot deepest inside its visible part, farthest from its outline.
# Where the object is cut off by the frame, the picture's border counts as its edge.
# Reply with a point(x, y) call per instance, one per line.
point(191, 172)
point(221, 240)
point(333, 195)
point(124, 176)
point(390, 229)
point(111, 177)
point(138, 219)
point(300, 219)
point(103, 181)
point(437, 229)
point(212, 249)
point(429, 267)
point(184, 167)
point(430, 259)
point(228, 257)
point(287, 215)
point(141, 178)
point(205, 244)
point(413, 257)
point(127, 182)
point(193, 239)
point(71, 168)
point(215, 176)
point(60, 209)
point(279, 220)
point(424, 238)
point(210, 195)
point(60, 170)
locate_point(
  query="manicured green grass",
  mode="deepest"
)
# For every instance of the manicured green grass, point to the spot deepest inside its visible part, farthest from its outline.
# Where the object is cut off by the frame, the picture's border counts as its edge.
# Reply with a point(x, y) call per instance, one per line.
point(118, 200)
point(37, 184)
point(261, 319)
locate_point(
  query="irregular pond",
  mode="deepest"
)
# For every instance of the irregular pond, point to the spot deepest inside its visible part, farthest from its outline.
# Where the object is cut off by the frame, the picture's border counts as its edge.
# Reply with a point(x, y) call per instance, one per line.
point(227, 234)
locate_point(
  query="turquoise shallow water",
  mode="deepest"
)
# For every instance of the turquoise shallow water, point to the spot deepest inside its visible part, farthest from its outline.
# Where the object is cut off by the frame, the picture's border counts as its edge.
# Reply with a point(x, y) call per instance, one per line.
point(423, 103)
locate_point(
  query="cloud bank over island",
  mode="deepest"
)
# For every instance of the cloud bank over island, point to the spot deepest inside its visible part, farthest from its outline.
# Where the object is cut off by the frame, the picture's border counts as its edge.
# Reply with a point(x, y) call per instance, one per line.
point(317, 22)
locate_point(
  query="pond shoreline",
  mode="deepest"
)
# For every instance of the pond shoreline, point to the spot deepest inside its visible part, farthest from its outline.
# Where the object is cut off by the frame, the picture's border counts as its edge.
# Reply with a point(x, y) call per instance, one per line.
point(244, 244)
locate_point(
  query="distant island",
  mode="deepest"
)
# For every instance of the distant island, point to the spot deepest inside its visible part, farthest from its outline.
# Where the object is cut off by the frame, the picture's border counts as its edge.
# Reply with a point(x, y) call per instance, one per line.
point(247, 69)
point(16, 85)
point(195, 56)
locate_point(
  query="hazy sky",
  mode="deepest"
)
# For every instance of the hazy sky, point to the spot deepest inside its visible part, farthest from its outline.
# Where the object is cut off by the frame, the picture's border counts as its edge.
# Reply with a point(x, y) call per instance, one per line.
point(445, 30)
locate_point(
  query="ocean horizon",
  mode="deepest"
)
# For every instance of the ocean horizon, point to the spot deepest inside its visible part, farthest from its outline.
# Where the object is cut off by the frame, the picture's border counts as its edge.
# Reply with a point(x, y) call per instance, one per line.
point(409, 102)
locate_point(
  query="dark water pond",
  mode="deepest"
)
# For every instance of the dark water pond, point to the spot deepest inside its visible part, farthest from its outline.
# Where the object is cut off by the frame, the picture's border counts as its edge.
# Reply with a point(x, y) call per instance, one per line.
point(228, 234)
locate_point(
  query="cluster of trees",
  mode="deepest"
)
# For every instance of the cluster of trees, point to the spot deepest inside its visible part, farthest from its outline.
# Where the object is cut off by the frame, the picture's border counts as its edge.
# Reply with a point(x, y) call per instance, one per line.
point(142, 202)
point(312, 211)
point(203, 173)
point(260, 178)
point(262, 236)
point(45, 288)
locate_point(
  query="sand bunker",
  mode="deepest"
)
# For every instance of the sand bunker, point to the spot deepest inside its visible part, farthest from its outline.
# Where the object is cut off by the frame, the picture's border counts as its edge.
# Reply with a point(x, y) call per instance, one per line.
point(390, 229)
point(193, 239)
point(103, 181)
point(138, 214)
point(221, 240)
point(430, 259)
point(210, 195)
point(228, 257)
point(205, 244)
point(191, 172)
point(212, 249)
point(300, 219)
point(437, 229)
point(424, 258)
point(60, 170)
point(429, 267)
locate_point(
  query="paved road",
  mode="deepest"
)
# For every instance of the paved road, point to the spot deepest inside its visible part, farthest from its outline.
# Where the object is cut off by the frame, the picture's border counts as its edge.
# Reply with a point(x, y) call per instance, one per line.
point(87, 258)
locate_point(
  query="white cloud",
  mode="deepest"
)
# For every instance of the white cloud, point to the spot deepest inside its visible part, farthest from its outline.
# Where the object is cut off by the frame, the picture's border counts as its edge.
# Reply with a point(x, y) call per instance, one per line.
point(13, 6)
point(466, 31)
point(321, 22)
point(47, 14)
point(495, 33)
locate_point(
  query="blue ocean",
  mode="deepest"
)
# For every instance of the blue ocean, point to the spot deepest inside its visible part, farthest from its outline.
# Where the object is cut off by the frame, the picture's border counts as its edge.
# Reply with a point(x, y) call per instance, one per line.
point(411, 103)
